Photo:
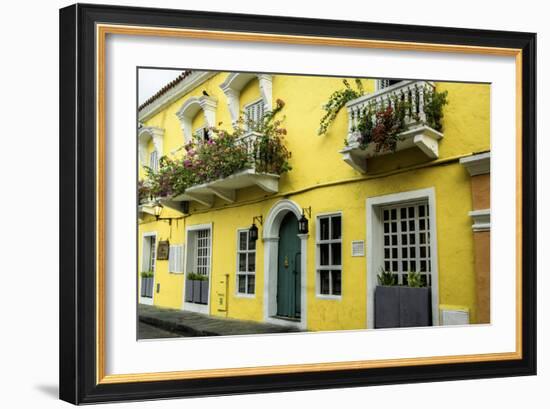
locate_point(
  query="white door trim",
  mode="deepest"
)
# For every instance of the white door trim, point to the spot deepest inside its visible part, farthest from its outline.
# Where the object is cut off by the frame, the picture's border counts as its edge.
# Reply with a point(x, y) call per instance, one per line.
point(374, 250)
point(146, 300)
point(271, 248)
point(189, 306)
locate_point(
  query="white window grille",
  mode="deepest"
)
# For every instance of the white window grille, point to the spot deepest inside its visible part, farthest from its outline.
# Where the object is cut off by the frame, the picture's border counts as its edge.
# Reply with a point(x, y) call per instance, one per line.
point(406, 241)
point(254, 112)
point(329, 255)
point(154, 161)
point(175, 259)
point(202, 252)
point(246, 263)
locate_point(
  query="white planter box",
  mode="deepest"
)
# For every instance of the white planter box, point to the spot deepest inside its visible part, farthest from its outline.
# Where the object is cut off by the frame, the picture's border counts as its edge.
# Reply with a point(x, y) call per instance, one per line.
point(422, 137)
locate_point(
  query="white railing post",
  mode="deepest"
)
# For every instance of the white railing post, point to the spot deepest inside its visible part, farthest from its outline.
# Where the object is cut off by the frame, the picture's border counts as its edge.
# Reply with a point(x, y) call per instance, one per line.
point(421, 112)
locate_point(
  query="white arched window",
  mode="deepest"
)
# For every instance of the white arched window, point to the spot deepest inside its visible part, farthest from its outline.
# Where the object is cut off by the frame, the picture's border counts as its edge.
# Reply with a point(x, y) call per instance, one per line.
point(147, 134)
point(190, 108)
point(235, 83)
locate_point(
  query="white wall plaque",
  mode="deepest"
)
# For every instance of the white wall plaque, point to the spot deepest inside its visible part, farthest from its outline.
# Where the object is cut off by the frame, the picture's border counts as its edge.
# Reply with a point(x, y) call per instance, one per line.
point(358, 248)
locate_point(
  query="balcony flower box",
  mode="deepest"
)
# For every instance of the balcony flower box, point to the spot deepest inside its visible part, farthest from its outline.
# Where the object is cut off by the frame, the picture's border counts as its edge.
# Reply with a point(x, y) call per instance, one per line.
point(254, 163)
point(417, 133)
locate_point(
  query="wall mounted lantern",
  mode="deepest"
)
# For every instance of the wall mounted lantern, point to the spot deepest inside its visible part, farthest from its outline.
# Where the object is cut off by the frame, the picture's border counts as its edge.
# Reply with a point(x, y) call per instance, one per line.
point(157, 209)
point(253, 230)
point(303, 224)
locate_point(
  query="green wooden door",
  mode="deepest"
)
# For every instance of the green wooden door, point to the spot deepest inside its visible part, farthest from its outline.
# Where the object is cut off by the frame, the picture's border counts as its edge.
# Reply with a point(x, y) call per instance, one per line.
point(288, 272)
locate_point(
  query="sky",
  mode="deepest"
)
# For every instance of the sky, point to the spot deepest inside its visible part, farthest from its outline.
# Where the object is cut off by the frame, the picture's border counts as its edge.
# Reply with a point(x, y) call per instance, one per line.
point(151, 80)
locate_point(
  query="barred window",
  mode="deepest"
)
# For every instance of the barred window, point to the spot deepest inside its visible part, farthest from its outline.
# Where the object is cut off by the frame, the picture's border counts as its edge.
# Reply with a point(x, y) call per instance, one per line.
point(406, 241)
point(202, 252)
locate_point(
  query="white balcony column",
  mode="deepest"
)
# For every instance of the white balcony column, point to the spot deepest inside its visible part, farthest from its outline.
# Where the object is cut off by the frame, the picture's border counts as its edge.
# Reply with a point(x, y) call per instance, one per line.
point(232, 96)
point(209, 105)
point(266, 89)
point(421, 112)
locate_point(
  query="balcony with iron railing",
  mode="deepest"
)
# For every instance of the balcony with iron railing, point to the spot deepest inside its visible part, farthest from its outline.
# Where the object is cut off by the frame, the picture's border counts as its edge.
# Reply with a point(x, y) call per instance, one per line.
point(417, 132)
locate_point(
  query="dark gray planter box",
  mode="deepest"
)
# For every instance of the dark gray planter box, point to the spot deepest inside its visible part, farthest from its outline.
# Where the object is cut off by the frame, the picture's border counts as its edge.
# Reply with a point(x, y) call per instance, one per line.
point(189, 290)
point(400, 306)
point(386, 307)
point(196, 291)
point(204, 292)
point(147, 287)
point(415, 307)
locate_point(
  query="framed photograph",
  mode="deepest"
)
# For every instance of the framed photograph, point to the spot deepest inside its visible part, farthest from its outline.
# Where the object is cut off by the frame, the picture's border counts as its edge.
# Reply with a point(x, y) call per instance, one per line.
point(256, 203)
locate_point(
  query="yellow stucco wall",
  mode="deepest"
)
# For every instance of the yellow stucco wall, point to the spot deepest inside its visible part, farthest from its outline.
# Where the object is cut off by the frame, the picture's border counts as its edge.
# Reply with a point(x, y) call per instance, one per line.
point(316, 161)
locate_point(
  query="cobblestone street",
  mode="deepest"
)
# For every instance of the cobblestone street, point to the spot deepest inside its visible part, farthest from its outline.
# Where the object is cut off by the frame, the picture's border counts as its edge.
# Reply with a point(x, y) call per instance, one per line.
point(146, 331)
point(168, 322)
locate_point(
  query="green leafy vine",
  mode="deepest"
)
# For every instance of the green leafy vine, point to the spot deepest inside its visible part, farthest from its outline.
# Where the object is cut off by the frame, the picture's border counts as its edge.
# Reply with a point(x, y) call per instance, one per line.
point(337, 100)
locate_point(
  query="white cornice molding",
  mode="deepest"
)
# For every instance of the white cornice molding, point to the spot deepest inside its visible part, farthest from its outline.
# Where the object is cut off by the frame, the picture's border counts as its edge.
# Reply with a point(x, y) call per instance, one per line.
point(234, 84)
point(481, 219)
point(194, 79)
point(189, 109)
point(479, 164)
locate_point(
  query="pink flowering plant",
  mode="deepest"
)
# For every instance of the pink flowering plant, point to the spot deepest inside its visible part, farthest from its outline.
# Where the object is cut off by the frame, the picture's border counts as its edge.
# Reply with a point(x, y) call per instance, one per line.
point(144, 191)
point(223, 154)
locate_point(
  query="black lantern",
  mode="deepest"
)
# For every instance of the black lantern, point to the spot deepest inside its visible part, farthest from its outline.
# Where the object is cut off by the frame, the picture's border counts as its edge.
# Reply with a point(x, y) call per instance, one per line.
point(253, 232)
point(303, 225)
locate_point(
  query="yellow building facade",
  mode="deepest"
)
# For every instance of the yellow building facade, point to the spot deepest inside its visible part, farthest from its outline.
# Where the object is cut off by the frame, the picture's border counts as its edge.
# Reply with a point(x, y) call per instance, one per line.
point(423, 207)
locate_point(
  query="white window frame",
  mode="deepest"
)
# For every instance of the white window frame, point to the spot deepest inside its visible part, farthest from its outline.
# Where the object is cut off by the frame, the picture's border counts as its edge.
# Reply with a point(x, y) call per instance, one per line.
point(375, 257)
point(259, 102)
point(247, 273)
point(147, 235)
point(318, 266)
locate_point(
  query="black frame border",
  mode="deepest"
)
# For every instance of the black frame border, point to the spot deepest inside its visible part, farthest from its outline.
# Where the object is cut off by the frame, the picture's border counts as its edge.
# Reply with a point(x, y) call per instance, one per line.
point(78, 197)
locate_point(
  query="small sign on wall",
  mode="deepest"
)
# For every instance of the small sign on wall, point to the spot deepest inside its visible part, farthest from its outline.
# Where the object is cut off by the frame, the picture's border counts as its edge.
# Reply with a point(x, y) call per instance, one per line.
point(163, 250)
point(358, 248)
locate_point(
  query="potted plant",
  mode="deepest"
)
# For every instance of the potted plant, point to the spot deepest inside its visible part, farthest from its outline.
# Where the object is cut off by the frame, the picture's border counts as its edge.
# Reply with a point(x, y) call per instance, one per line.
point(402, 305)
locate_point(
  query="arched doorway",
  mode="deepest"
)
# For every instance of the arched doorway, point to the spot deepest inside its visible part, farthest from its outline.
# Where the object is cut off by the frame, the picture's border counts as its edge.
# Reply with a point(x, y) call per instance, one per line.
point(289, 269)
point(285, 290)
